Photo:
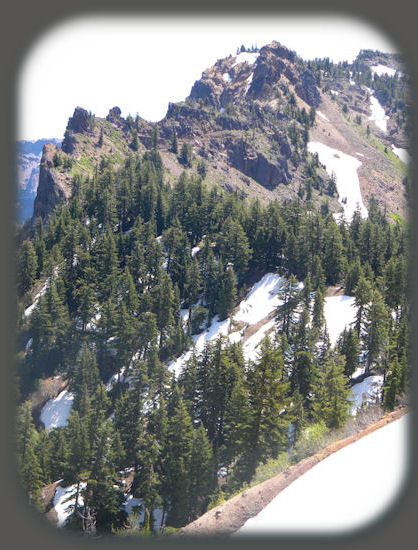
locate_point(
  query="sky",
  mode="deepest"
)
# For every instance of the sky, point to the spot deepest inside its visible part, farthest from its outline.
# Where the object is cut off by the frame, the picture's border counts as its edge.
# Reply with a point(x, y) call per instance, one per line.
point(141, 63)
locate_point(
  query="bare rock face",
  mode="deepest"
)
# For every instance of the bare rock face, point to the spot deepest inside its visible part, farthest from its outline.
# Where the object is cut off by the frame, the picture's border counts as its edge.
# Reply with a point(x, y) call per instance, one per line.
point(256, 165)
point(114, 115)
point(307, 90)
point(80, 122)
point(53, 186)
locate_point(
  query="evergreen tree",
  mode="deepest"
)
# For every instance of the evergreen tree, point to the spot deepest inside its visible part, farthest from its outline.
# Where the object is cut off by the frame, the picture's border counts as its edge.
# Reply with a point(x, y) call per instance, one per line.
point(330, 391)
point(27, 267)
point(266, 429)
point(227, 292)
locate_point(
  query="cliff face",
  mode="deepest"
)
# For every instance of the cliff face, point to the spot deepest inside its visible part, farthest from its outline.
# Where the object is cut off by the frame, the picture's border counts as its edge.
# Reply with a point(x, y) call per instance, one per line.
point(53, 187)
point(29, 155)
point(248, 119)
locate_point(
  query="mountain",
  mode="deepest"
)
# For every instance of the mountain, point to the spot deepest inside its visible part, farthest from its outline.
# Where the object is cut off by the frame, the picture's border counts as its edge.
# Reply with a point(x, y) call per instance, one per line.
point(29, 155)
point(246, 125)
point(213, 294)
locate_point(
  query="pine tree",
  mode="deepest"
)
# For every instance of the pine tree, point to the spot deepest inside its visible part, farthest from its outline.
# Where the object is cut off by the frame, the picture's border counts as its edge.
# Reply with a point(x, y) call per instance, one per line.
point(330, 393)
point(376, 328)
point(266, 429)
point(289, 295)
point(28, 466)
point(177, 458)
point(227, 292)
point(27, 267)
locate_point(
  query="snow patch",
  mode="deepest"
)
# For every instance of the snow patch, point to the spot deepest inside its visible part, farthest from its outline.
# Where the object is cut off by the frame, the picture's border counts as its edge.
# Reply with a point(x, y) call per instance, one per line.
point(382, 69)
point(340, 313)
point(368, 391)
point(251, 347)
point(402, 154)
point(334, 92)
point(195, 250)
point(64, 501)
point(29, 310)
point(328, 499)
point(344, 167)
point(249, 80)
point(261, 300)
point(226, 77)
point(217, 328)
point(55, 412)
point(322, 115)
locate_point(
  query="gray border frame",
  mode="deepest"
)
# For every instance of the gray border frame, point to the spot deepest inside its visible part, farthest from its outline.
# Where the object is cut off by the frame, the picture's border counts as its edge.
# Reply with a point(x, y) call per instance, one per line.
point(19, 27)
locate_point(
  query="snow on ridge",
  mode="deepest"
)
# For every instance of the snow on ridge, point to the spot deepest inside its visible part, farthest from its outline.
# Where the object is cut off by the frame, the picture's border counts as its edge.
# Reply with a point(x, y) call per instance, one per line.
point(322, 115)
point(323, 500)
point(383, 69)
point(344, 167)
point(55, 412)
point(246, 57)
point(402, 154)
point(261, 300)
point(340, 313)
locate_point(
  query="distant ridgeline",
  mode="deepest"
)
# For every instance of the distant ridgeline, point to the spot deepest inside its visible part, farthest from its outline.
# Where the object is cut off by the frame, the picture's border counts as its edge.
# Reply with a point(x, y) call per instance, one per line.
point(180, 284)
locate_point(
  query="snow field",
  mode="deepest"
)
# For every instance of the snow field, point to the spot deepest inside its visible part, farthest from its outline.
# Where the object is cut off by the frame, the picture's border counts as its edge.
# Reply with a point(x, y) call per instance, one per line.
point(55, 412)
point(344, 167)
point(340, 313)
point(345, 491)
point(261, 300)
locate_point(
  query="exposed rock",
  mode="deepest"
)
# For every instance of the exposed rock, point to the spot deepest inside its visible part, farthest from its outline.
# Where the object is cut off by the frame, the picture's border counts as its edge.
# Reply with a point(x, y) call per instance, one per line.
point(114, 115)
point(53, 187)
point(307, 90)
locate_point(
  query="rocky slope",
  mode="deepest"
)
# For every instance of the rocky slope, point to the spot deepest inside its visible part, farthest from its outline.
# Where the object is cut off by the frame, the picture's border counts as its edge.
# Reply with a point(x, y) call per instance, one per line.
point(246, 126)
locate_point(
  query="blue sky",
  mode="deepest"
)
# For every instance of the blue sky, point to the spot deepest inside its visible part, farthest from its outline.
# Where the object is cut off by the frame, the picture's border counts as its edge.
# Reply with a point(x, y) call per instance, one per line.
point(141, 63)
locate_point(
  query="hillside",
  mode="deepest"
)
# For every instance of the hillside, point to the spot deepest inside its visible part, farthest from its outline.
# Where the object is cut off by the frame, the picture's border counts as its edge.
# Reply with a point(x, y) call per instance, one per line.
point(270, 509)
point(198, 296)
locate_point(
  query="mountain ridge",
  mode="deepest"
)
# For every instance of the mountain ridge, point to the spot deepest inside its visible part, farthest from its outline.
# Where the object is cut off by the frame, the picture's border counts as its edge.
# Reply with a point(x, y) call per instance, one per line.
point(247, 120)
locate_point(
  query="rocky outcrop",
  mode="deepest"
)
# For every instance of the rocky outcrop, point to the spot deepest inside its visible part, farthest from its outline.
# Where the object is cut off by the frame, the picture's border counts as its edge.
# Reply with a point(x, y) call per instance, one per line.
point(307, 90)
point(54, 186)
point(80, 122)
point(256, 165)
point(114, 115)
